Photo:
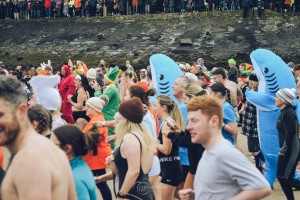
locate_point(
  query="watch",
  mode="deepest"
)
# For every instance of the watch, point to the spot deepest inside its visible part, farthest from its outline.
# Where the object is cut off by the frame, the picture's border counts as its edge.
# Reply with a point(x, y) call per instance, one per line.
point(103, 123)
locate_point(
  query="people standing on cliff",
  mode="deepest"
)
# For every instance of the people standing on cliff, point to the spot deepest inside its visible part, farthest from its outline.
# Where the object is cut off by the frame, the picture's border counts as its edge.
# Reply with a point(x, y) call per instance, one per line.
point(246, 7)
point(66, 87)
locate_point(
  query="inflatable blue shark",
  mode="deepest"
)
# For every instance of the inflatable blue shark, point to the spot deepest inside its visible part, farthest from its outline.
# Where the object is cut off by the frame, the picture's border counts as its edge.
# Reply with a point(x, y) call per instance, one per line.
point(273, 75)
point(164, 72)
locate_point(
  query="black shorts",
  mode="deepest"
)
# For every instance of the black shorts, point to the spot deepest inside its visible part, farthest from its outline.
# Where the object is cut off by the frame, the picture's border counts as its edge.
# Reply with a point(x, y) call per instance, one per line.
point(253, 144)
point(175, 181)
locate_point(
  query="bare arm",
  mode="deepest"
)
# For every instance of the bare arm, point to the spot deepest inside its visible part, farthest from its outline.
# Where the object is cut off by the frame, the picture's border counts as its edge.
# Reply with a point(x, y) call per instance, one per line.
point(105, 177)
point(166, 147)
point(131, 150)
point(253, 194)
point(80, 99)
point(231, 128)
point(108, 124)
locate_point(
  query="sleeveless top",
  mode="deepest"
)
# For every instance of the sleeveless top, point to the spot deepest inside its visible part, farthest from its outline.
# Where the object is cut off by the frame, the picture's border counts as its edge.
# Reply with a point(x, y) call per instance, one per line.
point(141, 189)
point(79, 114)
point(170, 164)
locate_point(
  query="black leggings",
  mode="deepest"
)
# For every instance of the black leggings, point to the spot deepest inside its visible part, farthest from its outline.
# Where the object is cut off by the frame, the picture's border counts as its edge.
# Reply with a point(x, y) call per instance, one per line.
point(103, 187)
point(286, 168)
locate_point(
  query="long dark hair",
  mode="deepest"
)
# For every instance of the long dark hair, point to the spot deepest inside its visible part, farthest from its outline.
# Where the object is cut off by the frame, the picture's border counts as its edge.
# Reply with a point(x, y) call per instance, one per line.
point(86, 86)
point(81, 142)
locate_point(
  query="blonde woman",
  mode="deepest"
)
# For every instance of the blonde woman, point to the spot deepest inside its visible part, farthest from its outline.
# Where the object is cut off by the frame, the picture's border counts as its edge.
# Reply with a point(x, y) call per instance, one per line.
point(171, 172)
point(193, 90)
point(134, 152)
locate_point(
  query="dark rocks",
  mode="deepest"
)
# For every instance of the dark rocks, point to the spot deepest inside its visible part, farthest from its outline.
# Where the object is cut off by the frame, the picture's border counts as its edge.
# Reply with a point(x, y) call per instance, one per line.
point(100, 36)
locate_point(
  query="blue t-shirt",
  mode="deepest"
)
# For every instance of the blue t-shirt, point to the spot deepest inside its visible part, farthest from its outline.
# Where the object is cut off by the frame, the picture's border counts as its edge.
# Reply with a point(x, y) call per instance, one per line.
point(183, 152)
point(229, 117)
point(84, 179)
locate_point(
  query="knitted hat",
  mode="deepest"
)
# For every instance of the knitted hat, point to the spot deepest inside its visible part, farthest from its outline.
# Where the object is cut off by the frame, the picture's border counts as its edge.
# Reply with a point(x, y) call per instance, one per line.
point(286, 95)
point(113, 74)
point(132, 110)
point(253, 77)
point(91, 73)
point(231, 61)
point(96, 103)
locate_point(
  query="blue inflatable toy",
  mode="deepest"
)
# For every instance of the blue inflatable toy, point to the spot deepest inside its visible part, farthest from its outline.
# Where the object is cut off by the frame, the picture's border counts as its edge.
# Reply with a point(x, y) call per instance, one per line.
point(164, 72)
point(273, 75)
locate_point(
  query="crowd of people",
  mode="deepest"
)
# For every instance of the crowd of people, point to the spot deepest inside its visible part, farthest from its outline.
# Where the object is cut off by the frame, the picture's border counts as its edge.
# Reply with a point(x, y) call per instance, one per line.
point(66, 128)
point(31, 9)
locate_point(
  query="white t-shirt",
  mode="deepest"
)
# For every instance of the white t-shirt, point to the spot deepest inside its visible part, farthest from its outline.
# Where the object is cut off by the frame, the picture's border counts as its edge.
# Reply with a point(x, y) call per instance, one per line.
point(224, 171)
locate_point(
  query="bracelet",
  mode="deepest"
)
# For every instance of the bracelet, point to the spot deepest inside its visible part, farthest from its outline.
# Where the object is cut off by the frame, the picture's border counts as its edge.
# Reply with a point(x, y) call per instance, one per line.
point(122, 196)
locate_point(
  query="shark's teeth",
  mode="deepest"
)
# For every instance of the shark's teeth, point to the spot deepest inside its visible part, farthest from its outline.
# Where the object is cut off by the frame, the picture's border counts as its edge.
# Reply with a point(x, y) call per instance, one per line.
point(164, 83)
point(164, 92)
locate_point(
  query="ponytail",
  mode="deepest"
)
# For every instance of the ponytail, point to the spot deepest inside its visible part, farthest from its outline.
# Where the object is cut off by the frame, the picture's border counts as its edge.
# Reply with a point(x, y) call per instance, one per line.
point(81, 143)
point(172, 109)
point(92, 139)
point(176, 115)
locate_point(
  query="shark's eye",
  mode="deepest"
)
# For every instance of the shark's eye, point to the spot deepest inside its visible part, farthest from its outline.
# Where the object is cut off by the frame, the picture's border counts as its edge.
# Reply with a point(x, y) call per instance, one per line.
point(266, 70)
point(161, 77)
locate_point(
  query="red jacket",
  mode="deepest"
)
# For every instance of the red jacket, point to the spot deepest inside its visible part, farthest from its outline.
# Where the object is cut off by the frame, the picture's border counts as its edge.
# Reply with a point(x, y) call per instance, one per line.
point(47, 4)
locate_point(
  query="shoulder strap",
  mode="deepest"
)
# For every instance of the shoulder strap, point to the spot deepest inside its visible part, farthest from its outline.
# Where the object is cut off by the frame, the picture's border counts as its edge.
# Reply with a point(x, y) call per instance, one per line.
point(139, 141)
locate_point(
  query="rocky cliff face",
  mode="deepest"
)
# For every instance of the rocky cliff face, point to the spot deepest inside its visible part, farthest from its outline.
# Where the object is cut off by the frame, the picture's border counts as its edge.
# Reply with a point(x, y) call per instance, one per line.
point(215, 36)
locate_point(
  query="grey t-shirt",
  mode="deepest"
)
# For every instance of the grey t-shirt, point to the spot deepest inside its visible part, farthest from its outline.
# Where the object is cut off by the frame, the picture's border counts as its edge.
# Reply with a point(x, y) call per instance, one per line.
point(223, 172)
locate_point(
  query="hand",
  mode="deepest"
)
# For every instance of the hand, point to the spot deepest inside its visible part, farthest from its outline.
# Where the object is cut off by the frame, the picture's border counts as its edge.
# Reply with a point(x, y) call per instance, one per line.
point(110, 138)
point(281, 154)
point(111, 165)
point(99, 179)
point(69, 97)
point(98, 124)
point(172, 124)
point(187, 194)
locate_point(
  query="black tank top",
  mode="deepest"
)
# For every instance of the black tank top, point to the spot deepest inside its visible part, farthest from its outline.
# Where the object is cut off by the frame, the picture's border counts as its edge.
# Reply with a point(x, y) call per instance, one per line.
point(141, 189)
point(79, 114)
point(170, 166)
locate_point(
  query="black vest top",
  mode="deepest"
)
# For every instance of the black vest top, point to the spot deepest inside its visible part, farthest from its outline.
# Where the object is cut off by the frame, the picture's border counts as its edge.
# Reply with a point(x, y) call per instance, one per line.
point(141, 189)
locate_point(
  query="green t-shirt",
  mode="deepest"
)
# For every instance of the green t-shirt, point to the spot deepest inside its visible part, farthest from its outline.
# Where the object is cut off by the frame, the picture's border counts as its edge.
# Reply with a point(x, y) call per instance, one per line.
point(112, 107)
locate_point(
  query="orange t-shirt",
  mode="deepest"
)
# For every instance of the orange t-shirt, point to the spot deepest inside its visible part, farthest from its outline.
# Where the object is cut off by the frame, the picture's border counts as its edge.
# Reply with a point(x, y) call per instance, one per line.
point(1, 158)
point(98, 161)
